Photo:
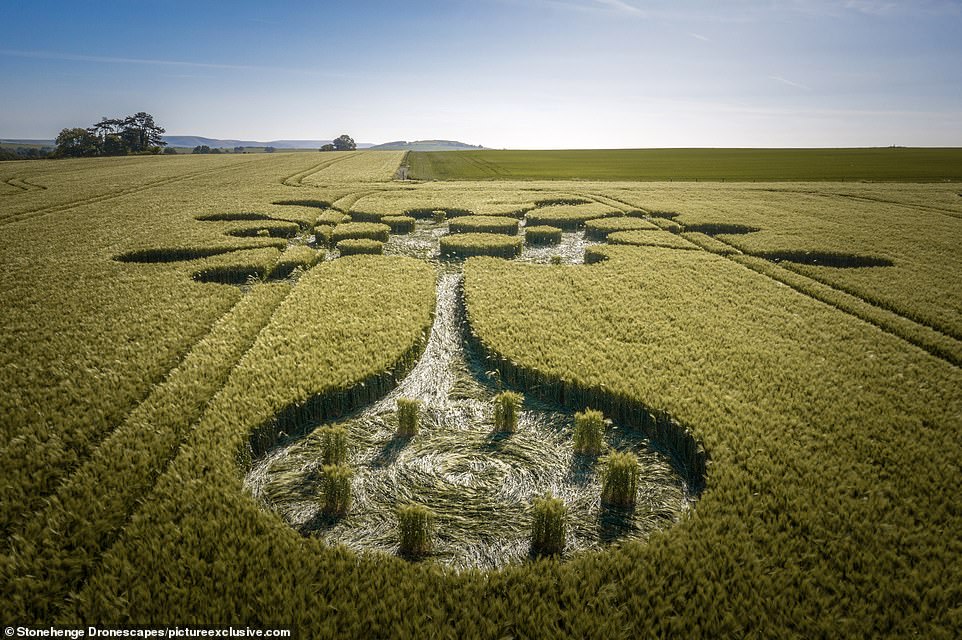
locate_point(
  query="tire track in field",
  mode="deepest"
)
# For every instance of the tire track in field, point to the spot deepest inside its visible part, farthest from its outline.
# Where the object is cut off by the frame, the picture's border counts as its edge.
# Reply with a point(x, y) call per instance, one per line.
point(22, 185)
point(843, 289)
point(611, 202)
point(11, 455)
point(952, 213)
point(60, 208)
point(67, 539)
point(297, 179)
point(924, 335)
point(18, 190)
point(881, 304)
point(33, 186)
point(353, 198)
point(109, 194)
point(486, 167)
point(919, 207)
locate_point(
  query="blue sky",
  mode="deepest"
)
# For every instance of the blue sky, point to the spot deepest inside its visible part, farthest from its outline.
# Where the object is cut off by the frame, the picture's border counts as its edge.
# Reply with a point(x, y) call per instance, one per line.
point(502, 73)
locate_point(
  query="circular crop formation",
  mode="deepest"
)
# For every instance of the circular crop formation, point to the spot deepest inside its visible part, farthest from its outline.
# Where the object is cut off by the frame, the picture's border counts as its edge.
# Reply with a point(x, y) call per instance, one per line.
point(482, 477)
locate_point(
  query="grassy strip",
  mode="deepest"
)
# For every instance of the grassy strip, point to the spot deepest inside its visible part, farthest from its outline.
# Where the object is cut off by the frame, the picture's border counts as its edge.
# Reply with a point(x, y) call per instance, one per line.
point(571, 217)
point(465, 245)
point(399, 224)
point(360, 246)
point(710, 244)
point(596, 254)
point(331, 217)
point(691, 165)
point(182, 254)
point(273, 229)
point(542, 234)
point(295, 257)
point(422, 201)
point(86, 513)
point(650, 239)
point(599, 229)
point(922, 336)
point(322, 234)
point(237, 268)
point(358, 230)
point(484, 224)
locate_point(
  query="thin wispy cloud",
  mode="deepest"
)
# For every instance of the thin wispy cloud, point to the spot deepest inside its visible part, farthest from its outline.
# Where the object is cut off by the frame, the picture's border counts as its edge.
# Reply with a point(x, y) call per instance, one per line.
point(879, 8)
point(786, 81)
point(698, 36)
point(905, 7)
point(621, 6)
point(77, 57)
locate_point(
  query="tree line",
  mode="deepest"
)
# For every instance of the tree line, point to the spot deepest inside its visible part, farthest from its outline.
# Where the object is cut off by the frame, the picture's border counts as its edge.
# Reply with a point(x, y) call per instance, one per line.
point(25, 153)
point(134, 134)
point(203, 148)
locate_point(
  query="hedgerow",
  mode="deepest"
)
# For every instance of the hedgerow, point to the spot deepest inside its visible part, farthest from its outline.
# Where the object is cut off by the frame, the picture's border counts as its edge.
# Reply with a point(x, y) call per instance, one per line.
point(464, 245)
point(570, 217)
point(399, 224)
point(600, 228)
point(238, 267)
point(542, 234)
point(295, 257)
point(273, 229)
point(484, 224)
point(360, 246)
point(650, 239)
point(359, 230)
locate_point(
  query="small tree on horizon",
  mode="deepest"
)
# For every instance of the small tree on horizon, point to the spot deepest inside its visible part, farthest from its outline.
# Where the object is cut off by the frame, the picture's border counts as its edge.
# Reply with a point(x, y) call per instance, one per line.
point(344, 142)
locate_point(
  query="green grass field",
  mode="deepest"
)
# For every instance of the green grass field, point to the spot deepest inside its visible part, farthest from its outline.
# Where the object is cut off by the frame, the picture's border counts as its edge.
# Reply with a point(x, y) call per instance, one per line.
point(179, 331)
point(759, 165)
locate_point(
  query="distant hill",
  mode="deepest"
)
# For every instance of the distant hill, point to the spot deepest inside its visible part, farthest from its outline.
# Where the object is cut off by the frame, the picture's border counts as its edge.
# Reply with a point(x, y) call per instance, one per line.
point(31, 142)
point(424, 145)
point(193, 141)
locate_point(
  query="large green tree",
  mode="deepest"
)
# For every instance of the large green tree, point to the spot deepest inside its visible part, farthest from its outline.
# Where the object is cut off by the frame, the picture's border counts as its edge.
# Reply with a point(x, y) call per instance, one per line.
point(140, 132)
point(76, 143)
point(344, 143)
point(113, 137)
